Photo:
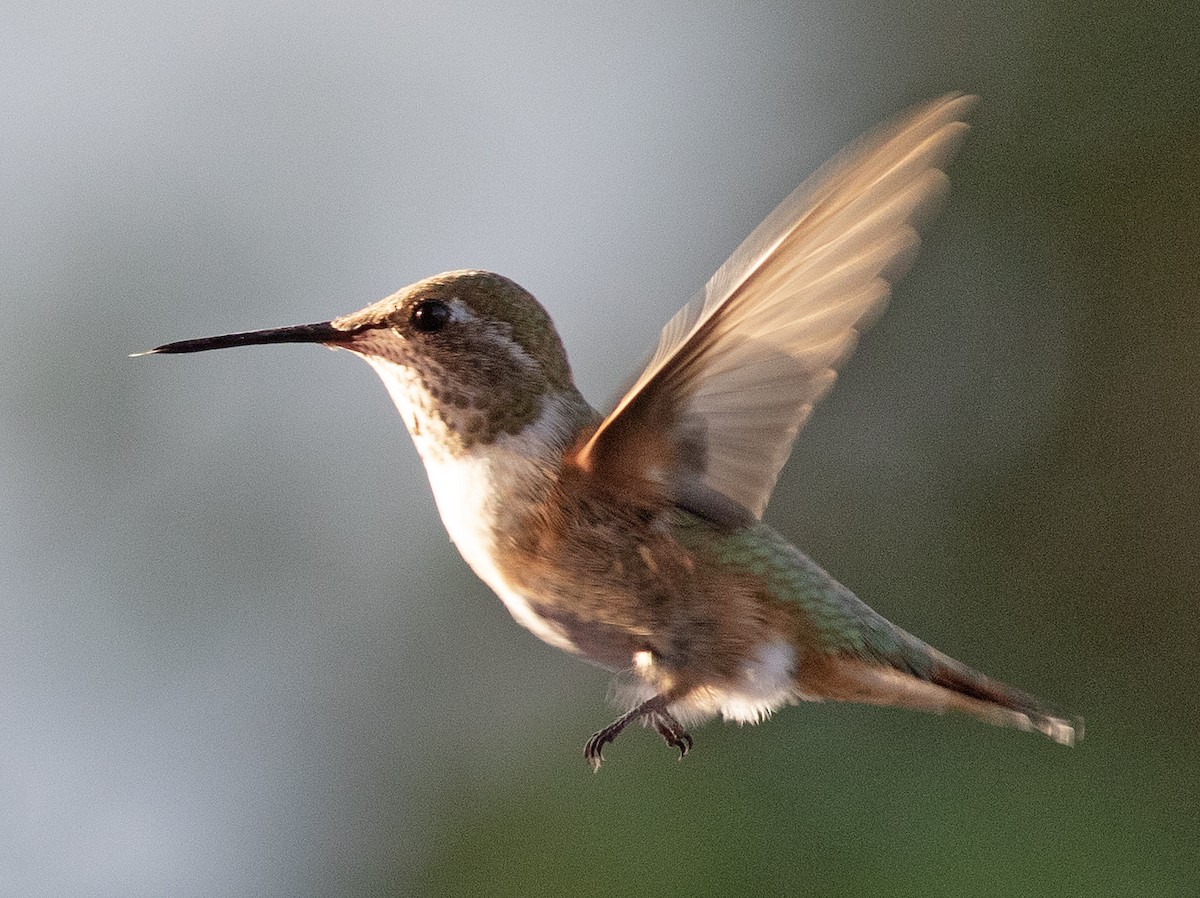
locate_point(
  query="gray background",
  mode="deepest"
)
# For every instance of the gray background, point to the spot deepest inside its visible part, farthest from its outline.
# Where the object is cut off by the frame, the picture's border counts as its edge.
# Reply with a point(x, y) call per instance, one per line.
point(238, 655)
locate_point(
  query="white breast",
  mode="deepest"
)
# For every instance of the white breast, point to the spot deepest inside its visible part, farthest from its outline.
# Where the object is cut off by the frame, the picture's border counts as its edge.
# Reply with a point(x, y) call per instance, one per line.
point(473, 488)
point(467, 499)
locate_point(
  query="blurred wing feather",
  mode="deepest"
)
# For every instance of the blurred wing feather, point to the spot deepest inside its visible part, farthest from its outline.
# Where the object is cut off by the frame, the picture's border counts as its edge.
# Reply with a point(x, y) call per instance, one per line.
point(738, 369)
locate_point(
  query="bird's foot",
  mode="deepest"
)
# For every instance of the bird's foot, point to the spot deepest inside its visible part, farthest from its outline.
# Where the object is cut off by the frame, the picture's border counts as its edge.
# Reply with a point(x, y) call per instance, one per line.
point(654, 712)
point(593, 751)
point(672, 731)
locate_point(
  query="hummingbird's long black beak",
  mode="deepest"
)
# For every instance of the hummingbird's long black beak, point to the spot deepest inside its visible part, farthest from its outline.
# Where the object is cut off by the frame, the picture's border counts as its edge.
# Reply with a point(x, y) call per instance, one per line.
point(324, 332)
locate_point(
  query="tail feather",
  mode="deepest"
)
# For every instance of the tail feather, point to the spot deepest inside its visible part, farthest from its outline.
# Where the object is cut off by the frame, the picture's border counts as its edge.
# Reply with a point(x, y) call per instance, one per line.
point(995, 701)
point(943, 684)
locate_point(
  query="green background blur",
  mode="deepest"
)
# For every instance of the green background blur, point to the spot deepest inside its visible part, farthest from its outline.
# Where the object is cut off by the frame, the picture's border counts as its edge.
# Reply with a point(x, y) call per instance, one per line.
point(238, 655)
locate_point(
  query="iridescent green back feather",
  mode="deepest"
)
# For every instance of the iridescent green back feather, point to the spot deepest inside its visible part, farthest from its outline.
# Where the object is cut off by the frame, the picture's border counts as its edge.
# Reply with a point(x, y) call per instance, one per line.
point(832, 616)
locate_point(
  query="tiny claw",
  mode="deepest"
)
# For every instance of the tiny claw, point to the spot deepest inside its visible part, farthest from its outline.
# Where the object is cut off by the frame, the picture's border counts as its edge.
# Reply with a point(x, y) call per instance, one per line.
point(673, 733)
point(685, 745)
point(593, 751)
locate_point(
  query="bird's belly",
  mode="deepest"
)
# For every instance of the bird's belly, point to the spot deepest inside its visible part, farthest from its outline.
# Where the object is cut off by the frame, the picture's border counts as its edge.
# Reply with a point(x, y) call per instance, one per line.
point(523, 611)
point(541, 603)
point(605, 644)
point(480, 498)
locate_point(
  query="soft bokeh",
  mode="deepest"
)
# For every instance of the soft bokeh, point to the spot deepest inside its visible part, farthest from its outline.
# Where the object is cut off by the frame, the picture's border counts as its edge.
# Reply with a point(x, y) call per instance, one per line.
point(238, 655)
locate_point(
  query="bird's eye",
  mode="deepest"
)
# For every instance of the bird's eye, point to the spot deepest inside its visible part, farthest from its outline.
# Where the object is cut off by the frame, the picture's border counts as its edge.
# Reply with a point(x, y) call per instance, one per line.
point(430, 316)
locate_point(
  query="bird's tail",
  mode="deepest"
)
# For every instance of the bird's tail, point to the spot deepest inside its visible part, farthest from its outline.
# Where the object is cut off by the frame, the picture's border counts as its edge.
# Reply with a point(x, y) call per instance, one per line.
point(928, 680)
point(996, 702)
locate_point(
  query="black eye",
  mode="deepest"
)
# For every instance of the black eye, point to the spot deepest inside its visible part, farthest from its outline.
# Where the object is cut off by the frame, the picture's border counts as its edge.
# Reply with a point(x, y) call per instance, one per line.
point(430, 316)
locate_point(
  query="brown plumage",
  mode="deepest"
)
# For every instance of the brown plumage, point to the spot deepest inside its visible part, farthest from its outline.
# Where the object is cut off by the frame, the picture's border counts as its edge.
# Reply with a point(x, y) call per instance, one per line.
point(635, 539)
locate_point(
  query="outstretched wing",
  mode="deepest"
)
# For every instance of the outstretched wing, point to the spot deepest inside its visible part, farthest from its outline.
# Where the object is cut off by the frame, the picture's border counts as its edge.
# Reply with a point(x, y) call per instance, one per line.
point(737, 370)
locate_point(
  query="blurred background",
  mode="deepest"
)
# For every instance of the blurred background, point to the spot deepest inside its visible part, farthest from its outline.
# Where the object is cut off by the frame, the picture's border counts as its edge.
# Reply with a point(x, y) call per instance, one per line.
point(238, 655)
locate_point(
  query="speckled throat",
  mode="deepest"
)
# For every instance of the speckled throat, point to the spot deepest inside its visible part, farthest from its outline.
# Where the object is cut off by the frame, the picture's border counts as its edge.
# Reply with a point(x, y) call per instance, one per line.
point(488, 376)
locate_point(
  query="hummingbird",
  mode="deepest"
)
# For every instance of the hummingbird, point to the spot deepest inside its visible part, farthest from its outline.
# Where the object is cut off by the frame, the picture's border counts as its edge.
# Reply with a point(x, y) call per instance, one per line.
point(635, 539)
